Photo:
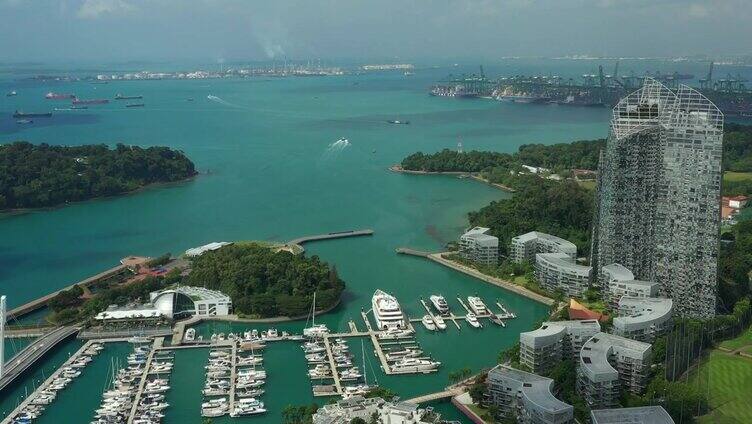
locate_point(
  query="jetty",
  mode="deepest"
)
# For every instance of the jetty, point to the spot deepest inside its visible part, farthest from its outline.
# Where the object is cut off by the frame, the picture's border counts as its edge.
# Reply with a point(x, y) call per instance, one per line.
point(333, 366)
point(508, 285)
point(328, 236)
point(144, 378)
point(233, 376)
point(24, 359)
point(26, 402)
point(41, 302)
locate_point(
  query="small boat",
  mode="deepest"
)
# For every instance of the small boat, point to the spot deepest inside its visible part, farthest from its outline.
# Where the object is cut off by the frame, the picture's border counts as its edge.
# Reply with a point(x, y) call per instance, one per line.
point(11, 93)
point(440, 304)
point(122, 97)
point(472, 320)
point(21, 114)
point(135, 105)
point(399, 122)
point(315, 331)
point(190, 335)
point(24, 121)
point(428, 323)
point(439, 321)
point(496, 320)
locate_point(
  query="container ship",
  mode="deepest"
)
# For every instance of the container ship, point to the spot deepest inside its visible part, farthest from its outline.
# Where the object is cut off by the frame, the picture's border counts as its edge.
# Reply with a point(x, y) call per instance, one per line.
point(58, 96)
point(77, 101)
point(21, 114)
point(122, 97)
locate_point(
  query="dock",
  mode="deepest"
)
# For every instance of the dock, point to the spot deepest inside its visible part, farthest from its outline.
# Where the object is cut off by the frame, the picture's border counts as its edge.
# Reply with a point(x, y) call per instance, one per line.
point(233, 376)
point(46, 383)
point(376, 345)
point(144, 378)
point(333, 366)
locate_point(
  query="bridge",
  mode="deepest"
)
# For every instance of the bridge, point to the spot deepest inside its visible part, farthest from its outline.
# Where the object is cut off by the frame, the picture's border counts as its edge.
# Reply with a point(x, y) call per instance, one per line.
point(33, 352)
point(41, 302)
point(437, 395)
point(413, 252)
point(328, 236)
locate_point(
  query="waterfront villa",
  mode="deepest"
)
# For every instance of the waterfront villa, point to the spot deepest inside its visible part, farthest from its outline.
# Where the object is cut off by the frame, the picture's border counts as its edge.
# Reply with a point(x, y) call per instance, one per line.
point(558, 271)
point(641, 414)
point(543, 348)
point(478, 246)
point(524, 248)
point(643, 319)
point(525, 396)
point(608, 364)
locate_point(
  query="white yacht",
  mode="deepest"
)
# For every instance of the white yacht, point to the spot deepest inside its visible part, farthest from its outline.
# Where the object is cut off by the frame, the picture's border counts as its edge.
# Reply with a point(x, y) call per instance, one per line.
point(190, 335)
point(476, 304)
point(315, 331)
point(472, 320)
point(360, 389)
point(387, 311)
point(440, 323)
point(415, 365)
point(428, 323)
point(440, 304)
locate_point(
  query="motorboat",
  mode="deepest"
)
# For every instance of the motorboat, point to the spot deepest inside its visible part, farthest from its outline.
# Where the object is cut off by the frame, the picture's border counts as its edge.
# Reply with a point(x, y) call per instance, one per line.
point(387, 311)
point(496, 320)
point(190, 335)
point(415, 365)
point(477, 306)
point(428, 323)
point(439, 321)
point(440, 304)
point(407, 353)
point(472, 320)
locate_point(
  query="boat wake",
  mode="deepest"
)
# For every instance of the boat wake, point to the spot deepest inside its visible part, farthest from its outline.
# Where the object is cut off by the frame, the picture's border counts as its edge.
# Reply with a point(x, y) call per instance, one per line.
point(335, 148)
point(222, 101)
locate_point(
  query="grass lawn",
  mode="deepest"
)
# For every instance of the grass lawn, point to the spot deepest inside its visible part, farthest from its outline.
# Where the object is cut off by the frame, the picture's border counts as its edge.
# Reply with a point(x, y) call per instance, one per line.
point(737, 176)
point(729, 384)
point(590, 184)
point(479, 411)
point(742, 340)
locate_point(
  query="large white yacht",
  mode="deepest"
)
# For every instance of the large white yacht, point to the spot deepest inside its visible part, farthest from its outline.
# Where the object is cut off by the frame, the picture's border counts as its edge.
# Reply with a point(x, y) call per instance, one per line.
point(440, 304)
point(387, 311)
point(476, 304)
point(415, 365)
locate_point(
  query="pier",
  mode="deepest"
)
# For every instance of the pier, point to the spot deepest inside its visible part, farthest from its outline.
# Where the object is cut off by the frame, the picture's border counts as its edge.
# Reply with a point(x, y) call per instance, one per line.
point(376, 345)
point(333, 366)
point(233, 376)
point(144, 378)
point(41, 302)
point(26, 402)
point(328, 236)
point(33, 352)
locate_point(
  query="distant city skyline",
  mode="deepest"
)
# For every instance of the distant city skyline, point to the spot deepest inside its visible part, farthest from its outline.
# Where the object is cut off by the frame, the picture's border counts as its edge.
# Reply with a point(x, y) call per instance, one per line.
point(216, 30)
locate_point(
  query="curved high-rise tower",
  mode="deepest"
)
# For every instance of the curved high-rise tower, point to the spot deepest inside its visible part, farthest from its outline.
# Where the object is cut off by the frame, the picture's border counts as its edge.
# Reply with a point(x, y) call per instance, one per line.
point(659, 194)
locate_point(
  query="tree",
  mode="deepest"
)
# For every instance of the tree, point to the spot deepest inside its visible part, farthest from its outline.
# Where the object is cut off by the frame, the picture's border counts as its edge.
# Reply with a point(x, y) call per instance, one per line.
point(302, 414)
point(477, 391)
point(358, 420)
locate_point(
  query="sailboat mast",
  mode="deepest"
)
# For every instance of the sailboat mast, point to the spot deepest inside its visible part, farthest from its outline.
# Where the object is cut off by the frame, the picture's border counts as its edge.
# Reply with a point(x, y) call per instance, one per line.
point(363, 354)
point(313, 311)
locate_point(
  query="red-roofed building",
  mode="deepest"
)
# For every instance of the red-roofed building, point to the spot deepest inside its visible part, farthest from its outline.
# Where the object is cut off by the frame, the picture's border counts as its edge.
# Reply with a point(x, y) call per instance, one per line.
point(579, 312)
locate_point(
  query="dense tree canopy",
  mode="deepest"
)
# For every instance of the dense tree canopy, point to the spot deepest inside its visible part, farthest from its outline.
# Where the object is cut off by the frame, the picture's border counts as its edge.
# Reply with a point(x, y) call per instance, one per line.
point(737, 148)
point(41, 175)
point(265, 283)
point(580, 154)
point(561, 208)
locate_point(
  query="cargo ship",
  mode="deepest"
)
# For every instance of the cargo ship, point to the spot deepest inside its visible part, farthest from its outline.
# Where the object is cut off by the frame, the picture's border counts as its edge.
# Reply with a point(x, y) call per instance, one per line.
point(119, 96)
point(77, 101)
point(58, 96)
point(21, 114)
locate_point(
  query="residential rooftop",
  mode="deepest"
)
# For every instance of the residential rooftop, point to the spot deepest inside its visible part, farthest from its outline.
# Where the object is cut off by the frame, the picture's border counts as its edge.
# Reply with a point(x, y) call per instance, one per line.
point(641, 415)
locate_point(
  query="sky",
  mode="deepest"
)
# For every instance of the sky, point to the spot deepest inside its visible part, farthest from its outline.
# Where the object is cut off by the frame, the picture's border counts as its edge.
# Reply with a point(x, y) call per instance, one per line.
point(215, 30)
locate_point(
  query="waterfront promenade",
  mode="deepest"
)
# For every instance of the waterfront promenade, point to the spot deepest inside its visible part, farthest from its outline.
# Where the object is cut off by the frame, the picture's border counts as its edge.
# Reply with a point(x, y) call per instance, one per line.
point(508, 285)
point(41, 302)
point(33, 352)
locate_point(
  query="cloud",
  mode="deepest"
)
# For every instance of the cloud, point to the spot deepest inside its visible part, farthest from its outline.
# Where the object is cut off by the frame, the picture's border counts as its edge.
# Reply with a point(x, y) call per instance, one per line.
point(92, 9)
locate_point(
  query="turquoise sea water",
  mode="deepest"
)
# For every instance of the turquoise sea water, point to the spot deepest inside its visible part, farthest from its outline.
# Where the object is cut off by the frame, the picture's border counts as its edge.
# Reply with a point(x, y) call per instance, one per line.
point(268, 172)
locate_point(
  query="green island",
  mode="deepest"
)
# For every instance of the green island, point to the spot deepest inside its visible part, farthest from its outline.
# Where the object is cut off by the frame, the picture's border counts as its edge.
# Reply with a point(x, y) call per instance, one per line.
point(38, 176)
point(262, 280)
point(703, 363)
